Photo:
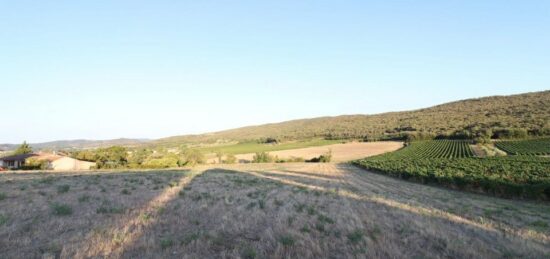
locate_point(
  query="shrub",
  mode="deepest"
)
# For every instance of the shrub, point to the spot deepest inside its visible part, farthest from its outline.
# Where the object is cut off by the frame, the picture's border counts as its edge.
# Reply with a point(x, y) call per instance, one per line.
point(167, 161)
point(325, 158)
point(356, 236)
point(287, 240)
point(262, 157)
point(35, 164)
point(292, 159)
point(230, 159)
point(84, 198)
point(63, 188)
point(248, 253)
point(109, 210)
point(61, 209)
point(166, 242)
point(191, 157)
point(3, 219)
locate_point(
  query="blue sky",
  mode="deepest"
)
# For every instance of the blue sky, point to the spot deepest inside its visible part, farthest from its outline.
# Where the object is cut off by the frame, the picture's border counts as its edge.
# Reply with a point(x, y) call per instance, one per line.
point(150, 69)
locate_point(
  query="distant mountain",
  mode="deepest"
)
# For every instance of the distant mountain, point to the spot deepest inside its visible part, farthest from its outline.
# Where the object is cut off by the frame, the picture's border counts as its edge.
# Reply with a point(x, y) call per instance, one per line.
point(79, 144)
point(529, 111)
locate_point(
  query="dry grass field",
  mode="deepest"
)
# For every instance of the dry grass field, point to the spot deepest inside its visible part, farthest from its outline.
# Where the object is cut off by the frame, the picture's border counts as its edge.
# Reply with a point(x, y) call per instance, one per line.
point(259, 211)
point(340, 152)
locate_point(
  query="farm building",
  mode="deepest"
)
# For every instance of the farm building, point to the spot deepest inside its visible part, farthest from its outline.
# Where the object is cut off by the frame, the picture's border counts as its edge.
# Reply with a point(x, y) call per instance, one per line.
point(16, 161)
point(52, 161)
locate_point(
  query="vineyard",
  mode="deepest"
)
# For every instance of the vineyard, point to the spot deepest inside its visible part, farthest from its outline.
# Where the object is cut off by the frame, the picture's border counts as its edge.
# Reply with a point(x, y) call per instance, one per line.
point(432, 162)
point(435, 149)
point(525, 147)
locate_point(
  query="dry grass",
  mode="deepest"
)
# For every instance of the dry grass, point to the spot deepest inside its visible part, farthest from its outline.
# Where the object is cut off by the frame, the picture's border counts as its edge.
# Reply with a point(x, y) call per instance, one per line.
point(259, 211)
point(340, 152)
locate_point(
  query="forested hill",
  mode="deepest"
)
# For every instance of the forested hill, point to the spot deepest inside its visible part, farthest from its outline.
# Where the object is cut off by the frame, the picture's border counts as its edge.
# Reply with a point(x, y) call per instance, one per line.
point(495, 116)
point(78, 144)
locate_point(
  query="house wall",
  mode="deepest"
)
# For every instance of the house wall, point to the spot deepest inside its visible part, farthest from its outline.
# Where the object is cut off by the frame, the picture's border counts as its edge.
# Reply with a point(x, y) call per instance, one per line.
point(67, 163)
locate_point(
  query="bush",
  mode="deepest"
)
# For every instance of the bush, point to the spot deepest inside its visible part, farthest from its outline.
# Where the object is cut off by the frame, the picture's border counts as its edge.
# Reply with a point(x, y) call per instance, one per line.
point(63, 188)
point(191, 157)
point(230, 159)
point(168, 161)
point(356, 236)
point(61, 209)
point(3, 219)
point(262, 157)
point(35, 164)
point(287, 240)
point(292, 159)
point(109, 210)
point(325, 158)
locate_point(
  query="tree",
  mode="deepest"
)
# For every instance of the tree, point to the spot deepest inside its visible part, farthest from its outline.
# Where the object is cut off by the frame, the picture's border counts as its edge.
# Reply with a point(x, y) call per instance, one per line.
point(169, 160)
point(139, 157)
point(112, 157)
point(191, 157)
point(23, 149)
point(219, 155)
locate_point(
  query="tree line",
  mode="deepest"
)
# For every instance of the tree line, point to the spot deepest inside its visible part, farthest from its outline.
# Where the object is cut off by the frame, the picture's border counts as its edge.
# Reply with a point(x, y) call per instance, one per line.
point(116, 157)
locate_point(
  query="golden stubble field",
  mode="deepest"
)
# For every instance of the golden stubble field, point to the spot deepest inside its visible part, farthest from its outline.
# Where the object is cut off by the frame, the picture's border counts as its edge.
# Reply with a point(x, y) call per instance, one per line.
point(259, 211)
point(340, 152)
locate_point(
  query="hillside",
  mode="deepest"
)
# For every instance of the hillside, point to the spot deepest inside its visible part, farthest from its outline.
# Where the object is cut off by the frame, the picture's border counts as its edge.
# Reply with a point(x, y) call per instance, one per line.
point(79, 144)
point(529, 111)
point(495, 116)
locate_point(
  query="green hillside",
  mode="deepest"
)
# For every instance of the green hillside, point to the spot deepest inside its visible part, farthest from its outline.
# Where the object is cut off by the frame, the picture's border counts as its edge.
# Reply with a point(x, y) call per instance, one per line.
point(496, 117)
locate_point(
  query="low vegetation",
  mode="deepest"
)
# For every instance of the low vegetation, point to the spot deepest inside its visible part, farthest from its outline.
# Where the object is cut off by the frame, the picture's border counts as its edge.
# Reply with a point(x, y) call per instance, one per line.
point(450, 164)
point(436, 149)
point(297, 210)
point(525, 147)
point(324, 158)
point(118, 157)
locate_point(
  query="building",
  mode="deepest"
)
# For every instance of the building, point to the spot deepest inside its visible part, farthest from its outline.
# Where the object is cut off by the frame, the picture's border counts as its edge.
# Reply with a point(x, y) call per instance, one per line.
point(51, 161)
point(65, 163)
point(16, 161)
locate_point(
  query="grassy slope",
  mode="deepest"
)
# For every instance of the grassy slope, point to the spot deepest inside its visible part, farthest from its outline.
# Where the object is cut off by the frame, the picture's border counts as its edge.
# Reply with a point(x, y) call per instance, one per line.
point(259, 211)
point(530, 110)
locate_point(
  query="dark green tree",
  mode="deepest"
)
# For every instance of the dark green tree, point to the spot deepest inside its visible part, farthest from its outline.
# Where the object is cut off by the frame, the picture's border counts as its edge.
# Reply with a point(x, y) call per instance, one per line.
point(23, 149)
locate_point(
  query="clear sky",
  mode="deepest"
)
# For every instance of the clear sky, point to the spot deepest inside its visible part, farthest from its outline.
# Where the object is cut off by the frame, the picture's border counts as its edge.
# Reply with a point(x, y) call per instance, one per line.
point(149, 69)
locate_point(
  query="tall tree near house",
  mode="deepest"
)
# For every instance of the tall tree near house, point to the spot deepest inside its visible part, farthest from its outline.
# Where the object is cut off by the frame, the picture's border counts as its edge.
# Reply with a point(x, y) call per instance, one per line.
point(23, 149)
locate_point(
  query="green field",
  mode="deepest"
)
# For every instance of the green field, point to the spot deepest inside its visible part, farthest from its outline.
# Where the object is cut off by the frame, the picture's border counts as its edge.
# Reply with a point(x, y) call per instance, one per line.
point(429, 162)
point(525, 147)
point(253, 147)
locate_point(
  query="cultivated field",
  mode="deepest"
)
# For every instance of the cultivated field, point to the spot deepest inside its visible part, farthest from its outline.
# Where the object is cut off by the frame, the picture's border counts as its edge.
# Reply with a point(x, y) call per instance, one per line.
point(450, 163)
point(299, 210)
point(525, 147)
point(340, 152)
